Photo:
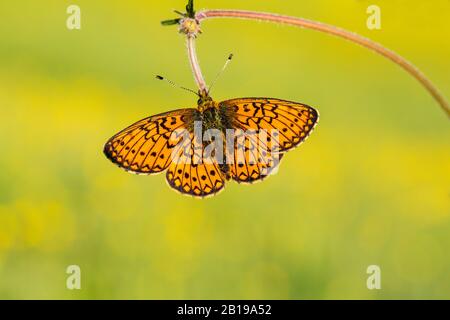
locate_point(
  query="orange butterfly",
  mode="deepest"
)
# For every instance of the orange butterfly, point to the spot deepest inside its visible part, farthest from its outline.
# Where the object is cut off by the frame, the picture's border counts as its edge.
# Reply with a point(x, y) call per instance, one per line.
point(189, 143)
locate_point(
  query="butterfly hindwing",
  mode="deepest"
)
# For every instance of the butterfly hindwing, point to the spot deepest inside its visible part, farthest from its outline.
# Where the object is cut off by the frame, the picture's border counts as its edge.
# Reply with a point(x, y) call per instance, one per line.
point(193, 173)
point(253, 157)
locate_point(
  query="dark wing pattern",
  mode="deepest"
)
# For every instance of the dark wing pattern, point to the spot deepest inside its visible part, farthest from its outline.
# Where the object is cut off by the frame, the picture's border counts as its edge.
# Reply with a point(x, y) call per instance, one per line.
point(146, 146)
point(273, 126)
point(193, 172)
point(166, 141)
point(253, 158)
point(263, 130)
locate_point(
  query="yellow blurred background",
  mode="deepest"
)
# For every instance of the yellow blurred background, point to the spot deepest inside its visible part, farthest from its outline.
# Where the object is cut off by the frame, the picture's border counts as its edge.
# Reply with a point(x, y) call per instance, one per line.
point(370, 186)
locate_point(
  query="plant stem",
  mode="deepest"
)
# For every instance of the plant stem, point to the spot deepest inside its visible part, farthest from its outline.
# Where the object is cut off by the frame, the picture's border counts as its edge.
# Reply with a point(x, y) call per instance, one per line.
point(198, 76)
point(329, 29)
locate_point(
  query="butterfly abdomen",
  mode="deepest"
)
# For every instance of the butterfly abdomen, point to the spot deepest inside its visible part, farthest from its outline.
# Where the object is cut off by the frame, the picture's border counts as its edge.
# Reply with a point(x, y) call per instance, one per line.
point(226, 171)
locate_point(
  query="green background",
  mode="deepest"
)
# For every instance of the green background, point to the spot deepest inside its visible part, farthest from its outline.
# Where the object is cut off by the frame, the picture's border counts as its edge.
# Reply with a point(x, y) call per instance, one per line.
point(370, 186)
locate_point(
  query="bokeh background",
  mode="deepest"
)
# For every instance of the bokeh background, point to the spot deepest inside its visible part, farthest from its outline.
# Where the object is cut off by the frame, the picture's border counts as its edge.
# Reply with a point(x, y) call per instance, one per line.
point(370, 186)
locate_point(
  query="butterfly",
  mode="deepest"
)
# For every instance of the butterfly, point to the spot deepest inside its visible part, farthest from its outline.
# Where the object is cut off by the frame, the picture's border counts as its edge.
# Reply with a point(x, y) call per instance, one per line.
point(202, 148)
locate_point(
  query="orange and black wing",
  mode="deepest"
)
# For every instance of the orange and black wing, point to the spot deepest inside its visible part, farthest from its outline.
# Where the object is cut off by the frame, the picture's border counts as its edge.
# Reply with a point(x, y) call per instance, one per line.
point(273, 127)
point(252, 158)
point(166, 141)
point(146, 146)
point(193, 172)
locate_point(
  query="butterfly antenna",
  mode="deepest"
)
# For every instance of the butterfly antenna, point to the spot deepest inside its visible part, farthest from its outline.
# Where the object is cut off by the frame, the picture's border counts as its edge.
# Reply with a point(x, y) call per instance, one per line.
point(177, 86)
point(220, 72)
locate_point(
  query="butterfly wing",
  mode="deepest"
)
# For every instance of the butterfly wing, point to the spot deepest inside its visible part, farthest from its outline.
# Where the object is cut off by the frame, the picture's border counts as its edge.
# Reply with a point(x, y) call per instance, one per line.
point(279, 126)
point(194, 173)
point(166, 141)
point(252, 158)
point(146, 146)
point(293, 121)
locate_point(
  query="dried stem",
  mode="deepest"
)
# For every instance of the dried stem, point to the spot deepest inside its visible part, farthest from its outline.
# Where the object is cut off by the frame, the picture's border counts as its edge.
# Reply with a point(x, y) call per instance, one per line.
point(308, 24)
point(198, 76)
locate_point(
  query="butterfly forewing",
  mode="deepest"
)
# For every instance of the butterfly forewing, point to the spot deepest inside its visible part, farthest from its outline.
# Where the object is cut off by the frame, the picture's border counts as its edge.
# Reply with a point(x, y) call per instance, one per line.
point(275, 126)
point(290, 120)
point(146, 146)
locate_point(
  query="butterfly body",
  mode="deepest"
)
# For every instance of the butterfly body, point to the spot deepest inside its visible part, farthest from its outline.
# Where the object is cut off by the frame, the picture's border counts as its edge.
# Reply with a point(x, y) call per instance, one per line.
point(201, 148)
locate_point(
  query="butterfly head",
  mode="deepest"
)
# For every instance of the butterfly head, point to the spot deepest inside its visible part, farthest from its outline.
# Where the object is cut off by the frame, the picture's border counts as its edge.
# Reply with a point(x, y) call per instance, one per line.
point(205, 101)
